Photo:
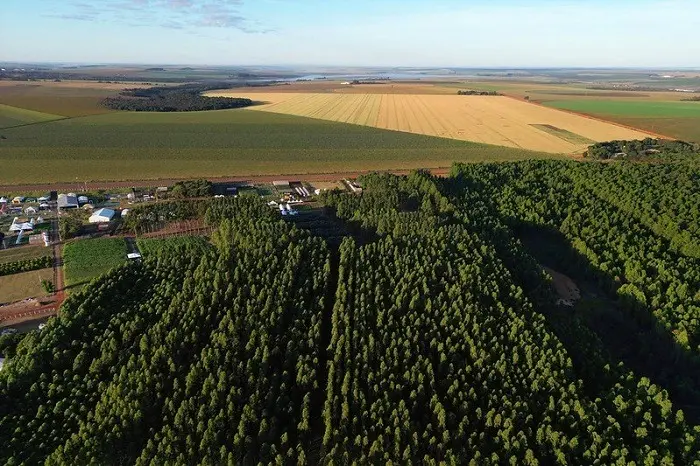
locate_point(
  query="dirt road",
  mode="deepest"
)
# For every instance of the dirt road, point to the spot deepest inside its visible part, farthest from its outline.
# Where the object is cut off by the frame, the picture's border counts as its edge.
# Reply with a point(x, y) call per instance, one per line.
point(94, 185)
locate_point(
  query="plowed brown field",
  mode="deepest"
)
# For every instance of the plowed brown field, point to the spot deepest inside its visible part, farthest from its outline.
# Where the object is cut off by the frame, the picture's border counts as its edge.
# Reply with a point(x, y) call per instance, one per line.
point(488, 119)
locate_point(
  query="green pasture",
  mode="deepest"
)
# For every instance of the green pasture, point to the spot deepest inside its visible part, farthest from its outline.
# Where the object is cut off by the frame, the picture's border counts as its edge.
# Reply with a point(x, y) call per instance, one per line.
point(139, 146)
point(89, 258)
point(674, 119)
point(630, 108)
point(13, 116)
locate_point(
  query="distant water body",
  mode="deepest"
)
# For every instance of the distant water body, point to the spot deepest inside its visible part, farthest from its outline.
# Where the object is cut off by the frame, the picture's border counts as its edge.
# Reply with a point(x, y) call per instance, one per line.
point(378, 76)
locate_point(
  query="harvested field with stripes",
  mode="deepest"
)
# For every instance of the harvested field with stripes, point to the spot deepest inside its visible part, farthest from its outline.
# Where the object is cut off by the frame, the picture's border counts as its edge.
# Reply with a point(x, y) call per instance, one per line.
point(487, 119)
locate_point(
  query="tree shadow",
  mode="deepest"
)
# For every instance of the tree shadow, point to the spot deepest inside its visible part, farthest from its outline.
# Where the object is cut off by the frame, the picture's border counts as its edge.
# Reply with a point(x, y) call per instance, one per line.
point(625, 330)
point(323, 222)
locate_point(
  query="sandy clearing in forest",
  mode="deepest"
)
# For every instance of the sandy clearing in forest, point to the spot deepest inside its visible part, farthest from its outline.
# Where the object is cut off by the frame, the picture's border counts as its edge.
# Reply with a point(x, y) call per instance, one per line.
point(488, 119)
point(565, 287)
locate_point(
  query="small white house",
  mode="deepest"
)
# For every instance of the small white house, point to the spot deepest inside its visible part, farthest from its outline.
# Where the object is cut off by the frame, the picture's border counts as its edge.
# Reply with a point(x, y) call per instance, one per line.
point(3, 200)
point(102, 216)
point(30, 211)
point(125, 212)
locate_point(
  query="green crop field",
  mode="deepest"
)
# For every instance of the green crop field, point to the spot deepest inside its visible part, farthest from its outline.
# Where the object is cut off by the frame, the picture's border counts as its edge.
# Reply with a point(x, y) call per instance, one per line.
point(138, 146)
point(13, 116)
point(630, 108)
point(675, 119)
point(89, 258)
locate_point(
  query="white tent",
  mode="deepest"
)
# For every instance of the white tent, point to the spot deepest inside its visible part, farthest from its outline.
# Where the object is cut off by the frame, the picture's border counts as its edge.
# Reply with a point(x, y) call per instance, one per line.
point(21, 226)
point(102, 216)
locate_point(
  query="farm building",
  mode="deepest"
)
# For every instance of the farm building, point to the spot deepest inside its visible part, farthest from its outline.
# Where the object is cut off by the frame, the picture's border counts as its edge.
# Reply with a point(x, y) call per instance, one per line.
point(125, 212)
point(67, 201)
point(83, 200)
point(102, 216)
point(18, 200)
point(40, 240)
point(30, 211)
point(3, 200)
point(283, 187)
point(224, 189)
point(299, 189)
point(354, 187)
point(44, 206)
point(43, 199)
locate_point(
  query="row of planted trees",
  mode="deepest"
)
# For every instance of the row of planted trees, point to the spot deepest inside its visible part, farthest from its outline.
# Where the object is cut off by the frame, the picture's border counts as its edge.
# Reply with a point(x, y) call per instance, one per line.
point(439, 355)
point(207, 358)
point(442, 347)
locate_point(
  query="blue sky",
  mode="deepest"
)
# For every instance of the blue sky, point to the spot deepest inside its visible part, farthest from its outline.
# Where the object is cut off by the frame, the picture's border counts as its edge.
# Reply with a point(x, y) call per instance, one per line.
point(467, 33)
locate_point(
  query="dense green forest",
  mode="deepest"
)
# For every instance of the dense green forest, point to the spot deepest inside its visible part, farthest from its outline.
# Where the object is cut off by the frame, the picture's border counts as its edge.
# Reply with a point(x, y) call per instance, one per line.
point(183, 98)
point(414, 323)
point(649, 148)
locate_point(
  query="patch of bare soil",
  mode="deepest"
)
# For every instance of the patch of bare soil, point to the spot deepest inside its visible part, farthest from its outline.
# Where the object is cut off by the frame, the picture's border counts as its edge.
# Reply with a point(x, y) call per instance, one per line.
point(565, 287)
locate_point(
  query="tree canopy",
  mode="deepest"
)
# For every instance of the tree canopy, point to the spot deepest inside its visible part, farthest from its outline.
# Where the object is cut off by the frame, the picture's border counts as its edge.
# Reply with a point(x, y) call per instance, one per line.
point(184, 98)
point(432, 338)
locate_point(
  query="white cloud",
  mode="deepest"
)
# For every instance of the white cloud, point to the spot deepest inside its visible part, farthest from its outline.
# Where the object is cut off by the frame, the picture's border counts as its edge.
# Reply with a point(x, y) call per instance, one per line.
point(174, 14)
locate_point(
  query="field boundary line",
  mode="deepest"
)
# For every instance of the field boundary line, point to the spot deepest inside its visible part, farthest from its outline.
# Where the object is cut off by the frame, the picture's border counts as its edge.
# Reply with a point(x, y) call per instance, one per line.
point(309, 176)
point(37, 123)
point(591, 117)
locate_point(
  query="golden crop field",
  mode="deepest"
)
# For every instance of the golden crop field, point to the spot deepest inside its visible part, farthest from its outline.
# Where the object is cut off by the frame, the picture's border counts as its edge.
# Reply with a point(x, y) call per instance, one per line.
point(488, 119)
